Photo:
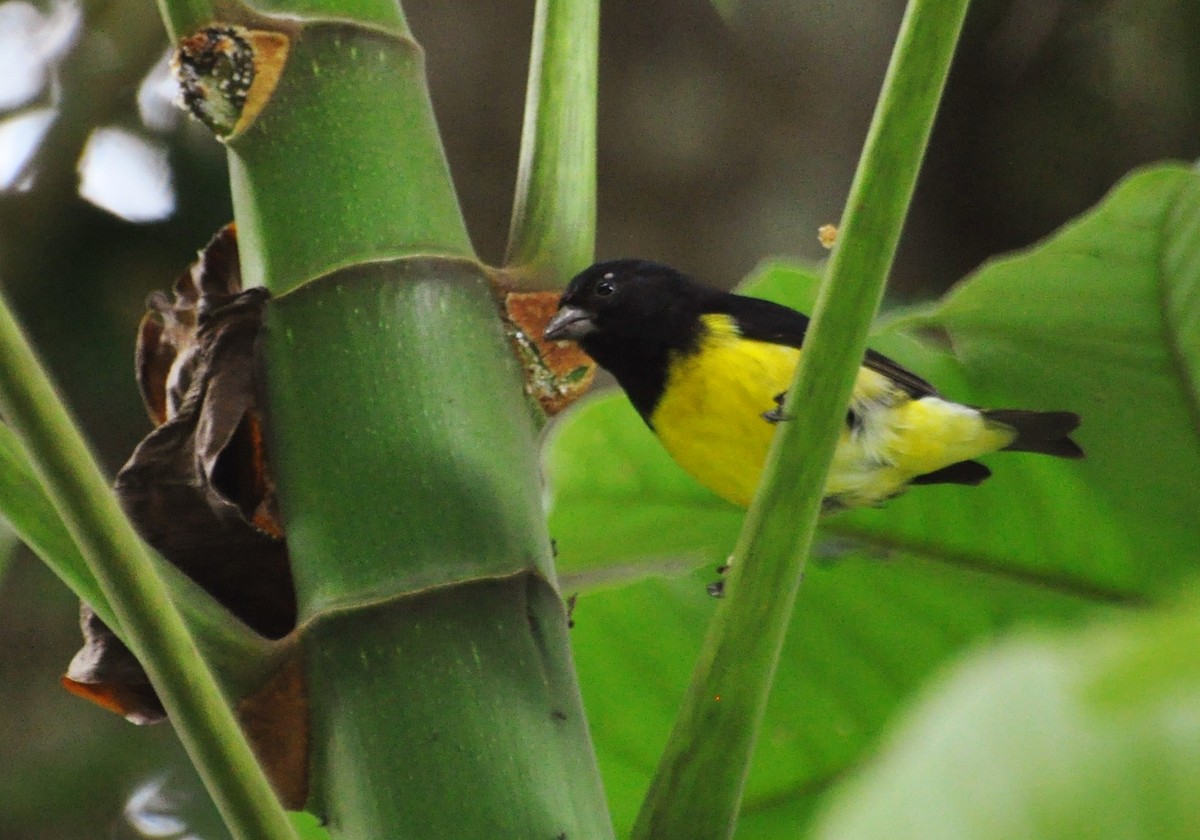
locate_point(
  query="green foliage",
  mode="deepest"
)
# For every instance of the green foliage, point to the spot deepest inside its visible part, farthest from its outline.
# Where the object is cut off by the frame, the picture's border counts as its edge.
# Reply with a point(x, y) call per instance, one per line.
point(308, 826)
point(1097, 321)
point(1104, 319)
point(1076, 323)
point(1094, 734)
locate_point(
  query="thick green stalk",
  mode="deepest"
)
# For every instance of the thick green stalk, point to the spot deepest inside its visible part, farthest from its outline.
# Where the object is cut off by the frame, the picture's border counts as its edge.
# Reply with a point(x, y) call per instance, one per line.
point(349, 168)
point(553, 228)
point(443, 701)
point(123, 567)
point(442, 698)
point(183, 17)
point(697, 789)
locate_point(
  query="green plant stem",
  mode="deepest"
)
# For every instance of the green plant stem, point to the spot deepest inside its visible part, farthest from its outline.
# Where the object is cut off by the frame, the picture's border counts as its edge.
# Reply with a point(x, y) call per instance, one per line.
point(347, 142)
point(697, 789)
point(407, 467)
point(8, 544)
point(553, 228)
point(123, 567)
point(27, 509)
point(241, 657)
point(436, 648)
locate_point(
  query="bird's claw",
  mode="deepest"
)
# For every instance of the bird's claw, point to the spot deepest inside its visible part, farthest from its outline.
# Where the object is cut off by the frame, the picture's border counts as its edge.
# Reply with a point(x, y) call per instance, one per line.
point(776, 414)
point(717, 587)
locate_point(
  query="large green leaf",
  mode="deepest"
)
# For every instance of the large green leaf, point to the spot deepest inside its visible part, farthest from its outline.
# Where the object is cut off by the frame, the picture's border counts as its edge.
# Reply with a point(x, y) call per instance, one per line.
point(308, 826)
point(1100, 319)
point(864, 635)
point(1096, 321)
point(1091, 734)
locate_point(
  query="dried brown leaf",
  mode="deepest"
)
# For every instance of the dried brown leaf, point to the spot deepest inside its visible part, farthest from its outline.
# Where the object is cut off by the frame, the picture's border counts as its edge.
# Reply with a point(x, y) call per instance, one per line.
point(556, 372)
point(198, 487)
point(275, 719)
point(107, 673)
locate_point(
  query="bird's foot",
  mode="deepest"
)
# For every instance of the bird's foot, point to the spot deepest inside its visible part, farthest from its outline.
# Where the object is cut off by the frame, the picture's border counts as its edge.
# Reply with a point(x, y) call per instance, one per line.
point(717, 587)
point(776, 414)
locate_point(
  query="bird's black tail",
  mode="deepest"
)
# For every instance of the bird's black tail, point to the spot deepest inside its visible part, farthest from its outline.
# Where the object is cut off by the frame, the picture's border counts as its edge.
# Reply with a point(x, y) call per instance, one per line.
point(1039, 431)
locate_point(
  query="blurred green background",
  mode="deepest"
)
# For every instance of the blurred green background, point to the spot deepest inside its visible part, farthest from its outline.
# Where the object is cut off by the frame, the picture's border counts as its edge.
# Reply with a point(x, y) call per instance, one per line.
point(722, 141)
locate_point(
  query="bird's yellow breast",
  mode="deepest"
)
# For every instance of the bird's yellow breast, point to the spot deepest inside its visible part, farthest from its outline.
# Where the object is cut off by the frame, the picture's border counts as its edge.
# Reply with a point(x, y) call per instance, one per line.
point(710, 414)
point(710, 419)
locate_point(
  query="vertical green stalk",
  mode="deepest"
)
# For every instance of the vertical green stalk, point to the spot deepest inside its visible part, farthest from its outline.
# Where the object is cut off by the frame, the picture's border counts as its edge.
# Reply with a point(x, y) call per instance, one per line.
point(125, 572)
point(697, 789)
point(345, 163)
point(553, 228)
point(441, 694)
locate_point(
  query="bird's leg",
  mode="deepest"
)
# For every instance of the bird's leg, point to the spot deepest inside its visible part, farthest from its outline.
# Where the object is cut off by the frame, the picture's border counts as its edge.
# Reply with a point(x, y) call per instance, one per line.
point(717, 587)
point(570, 603)
point(776, 415)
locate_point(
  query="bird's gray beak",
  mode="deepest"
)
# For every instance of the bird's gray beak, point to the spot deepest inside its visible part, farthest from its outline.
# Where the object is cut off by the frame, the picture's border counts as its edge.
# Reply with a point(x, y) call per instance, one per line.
point(569, 324)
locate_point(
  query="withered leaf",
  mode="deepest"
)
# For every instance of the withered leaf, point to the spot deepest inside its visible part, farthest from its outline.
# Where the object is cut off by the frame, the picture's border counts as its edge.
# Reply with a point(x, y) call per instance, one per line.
point(556, 372)
point(276, 720)
point(198, 487)
point(107, 673)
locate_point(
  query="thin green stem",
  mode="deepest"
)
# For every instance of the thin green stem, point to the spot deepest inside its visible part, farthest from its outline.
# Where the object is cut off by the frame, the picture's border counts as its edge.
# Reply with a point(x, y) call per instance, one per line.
point(183, 17)
point(697, 789)
point(241, 657)
point(8, 544)
point(27, 509)
point(553, 227)
point(123, 567)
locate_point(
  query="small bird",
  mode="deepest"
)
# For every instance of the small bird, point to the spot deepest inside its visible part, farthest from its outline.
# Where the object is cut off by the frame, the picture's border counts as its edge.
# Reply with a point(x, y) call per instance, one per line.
point(707, 370)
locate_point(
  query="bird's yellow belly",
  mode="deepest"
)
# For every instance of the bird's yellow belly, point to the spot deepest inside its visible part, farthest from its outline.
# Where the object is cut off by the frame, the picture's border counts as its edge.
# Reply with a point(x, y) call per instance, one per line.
point(710, 419)
point(710, 415)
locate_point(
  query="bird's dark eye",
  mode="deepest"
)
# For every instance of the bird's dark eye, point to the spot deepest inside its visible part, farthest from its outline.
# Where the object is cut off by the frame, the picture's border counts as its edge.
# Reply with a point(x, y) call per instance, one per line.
point(604, 288)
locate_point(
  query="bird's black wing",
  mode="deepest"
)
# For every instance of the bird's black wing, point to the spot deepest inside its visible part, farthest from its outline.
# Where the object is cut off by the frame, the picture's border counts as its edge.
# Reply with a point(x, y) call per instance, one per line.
point(909, 382)
point(763, 320)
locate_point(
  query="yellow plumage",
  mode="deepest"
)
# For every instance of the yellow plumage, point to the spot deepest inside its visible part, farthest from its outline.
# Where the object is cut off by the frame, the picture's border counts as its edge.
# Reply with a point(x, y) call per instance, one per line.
point(710, 419)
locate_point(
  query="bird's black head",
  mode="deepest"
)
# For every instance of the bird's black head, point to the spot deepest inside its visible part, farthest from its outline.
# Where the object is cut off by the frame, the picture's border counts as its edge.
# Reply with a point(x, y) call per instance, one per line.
point(625, 302)
point(630, 315)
